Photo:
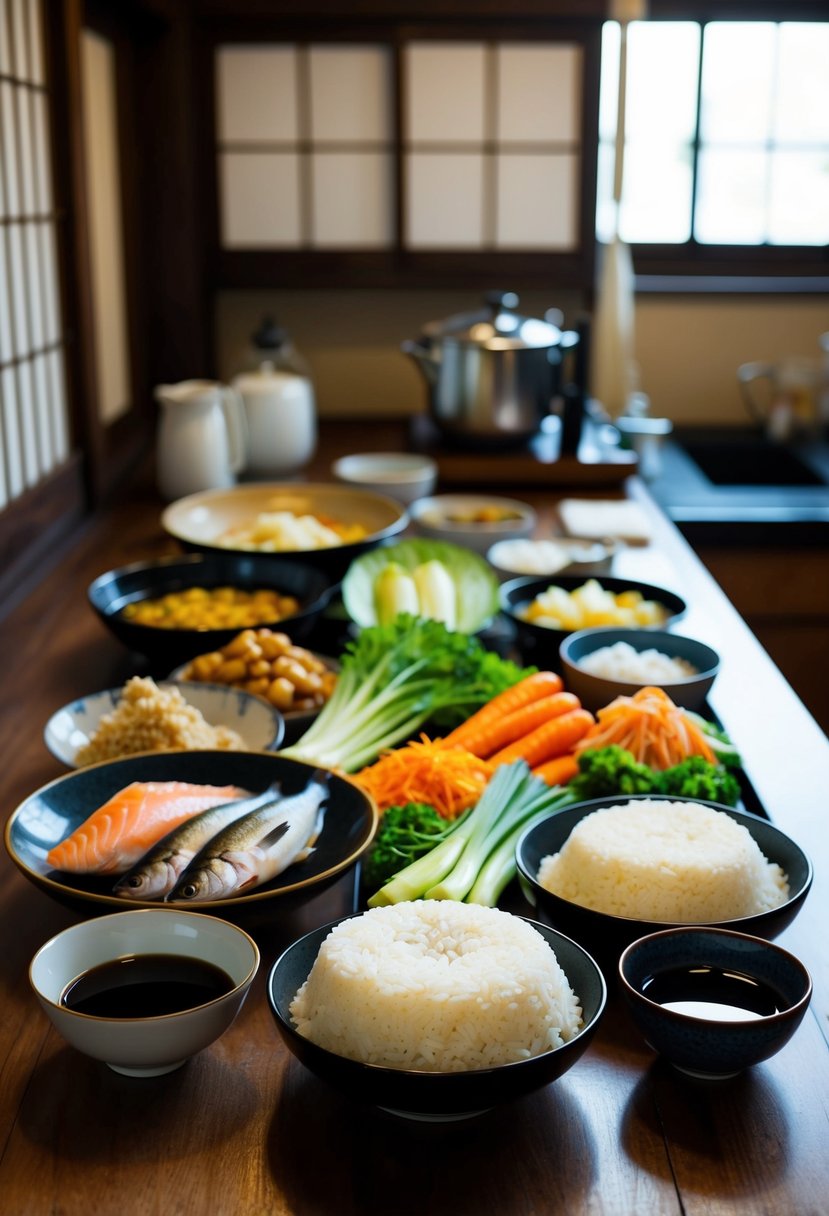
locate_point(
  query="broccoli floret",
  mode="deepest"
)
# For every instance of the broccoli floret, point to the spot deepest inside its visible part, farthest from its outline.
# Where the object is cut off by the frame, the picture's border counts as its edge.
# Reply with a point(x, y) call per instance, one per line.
point(405, 833)
point(605, 771)
point(699, 778)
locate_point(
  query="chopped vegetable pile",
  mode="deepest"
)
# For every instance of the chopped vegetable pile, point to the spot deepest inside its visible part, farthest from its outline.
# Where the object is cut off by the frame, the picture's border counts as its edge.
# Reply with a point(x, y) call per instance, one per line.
point(449, 779)
point(652, 728)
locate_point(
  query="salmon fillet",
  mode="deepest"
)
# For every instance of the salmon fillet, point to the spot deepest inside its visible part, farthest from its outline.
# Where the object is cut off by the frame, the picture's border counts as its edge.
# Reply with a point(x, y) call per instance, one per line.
point(121, 831)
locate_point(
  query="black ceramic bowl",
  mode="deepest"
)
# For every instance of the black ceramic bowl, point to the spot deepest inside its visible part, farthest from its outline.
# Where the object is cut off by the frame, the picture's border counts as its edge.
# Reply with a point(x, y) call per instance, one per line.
point(431, 1095)
point(203, 522)
point(595, 691)
point(606, 936)
point(52, 812)
point(540, 644)
point(762, 993)
point(166, 648)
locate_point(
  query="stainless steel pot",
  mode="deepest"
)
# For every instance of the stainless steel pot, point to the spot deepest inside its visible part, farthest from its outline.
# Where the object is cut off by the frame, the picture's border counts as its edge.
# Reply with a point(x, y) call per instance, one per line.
point(492, 375)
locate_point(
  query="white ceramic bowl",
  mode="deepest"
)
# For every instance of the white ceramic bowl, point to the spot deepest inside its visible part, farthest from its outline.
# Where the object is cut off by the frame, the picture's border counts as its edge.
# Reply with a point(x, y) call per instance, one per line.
point(260, 725)
point(403, 476)
point(475, 521)
point(148, 1046)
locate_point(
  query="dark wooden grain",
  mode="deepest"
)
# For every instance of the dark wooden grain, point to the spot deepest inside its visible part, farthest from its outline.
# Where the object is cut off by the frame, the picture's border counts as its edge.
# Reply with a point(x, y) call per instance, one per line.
point(244, 1128)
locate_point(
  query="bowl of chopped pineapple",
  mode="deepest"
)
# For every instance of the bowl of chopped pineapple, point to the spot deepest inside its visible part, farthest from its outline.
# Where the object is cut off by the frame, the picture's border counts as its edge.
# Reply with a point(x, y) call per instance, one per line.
point(543, 611)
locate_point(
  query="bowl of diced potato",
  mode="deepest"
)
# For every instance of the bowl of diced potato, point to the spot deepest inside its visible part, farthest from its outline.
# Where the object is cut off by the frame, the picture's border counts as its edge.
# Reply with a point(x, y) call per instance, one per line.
point(173, 608)
point(543, 611)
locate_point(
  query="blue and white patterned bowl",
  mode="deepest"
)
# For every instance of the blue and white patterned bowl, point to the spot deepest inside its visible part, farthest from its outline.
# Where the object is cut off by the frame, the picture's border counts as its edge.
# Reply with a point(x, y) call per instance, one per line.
point(690, 1036)
point(260, 725)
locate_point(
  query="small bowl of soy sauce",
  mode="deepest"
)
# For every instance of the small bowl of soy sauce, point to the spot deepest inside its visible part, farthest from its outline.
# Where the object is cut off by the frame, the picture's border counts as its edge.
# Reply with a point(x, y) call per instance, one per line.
point(712, 1001)
point(144, 990)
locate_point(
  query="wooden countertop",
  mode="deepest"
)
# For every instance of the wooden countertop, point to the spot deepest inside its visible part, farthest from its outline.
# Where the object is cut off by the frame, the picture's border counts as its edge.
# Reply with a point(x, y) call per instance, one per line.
point(244, 1128)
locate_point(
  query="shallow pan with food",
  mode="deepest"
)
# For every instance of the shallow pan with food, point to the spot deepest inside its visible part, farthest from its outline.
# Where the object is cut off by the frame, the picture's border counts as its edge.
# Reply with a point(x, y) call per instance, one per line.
point(540, 644)
point(112, 592)
point(49, 814)
point(260, 725)
point(607, 935)
point(209, 521)
point(436, 1096)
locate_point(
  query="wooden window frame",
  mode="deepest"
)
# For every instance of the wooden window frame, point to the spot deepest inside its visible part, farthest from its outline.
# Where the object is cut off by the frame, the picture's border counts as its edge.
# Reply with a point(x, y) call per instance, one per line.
point(398, 266)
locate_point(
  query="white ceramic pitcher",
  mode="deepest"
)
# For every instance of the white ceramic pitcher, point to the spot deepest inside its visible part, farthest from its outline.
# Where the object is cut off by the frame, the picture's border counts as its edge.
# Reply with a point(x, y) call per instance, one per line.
point(202, 437)
point(281, 419)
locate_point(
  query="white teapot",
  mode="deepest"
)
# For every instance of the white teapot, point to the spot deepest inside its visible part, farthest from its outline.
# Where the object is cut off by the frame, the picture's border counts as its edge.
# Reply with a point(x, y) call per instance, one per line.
point(281, 419)
point(202, 437)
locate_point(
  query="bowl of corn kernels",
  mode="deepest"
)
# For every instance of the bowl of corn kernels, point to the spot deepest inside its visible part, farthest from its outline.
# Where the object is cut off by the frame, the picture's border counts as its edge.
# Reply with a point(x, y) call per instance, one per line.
point(174, 608)
point(265, 662)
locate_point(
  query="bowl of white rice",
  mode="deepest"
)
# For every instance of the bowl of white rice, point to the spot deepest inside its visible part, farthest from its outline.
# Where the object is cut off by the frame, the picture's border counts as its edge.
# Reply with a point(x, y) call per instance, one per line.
point(602, 663)
point(434, 1009)
point(609, 870)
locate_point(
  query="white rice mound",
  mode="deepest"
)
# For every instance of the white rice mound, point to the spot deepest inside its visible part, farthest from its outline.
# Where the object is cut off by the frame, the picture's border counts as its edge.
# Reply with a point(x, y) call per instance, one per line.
point(438, 986)
point(664, 861)
point(621, 661)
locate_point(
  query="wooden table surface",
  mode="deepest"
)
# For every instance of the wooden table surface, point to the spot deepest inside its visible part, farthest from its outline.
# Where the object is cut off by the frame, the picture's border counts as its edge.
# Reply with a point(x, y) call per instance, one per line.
point(244, 1128)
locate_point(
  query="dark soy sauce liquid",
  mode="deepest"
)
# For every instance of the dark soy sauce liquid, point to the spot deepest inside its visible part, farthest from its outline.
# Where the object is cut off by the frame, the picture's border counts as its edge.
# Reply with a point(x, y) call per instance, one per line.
point(709, 992)
point(145, 986)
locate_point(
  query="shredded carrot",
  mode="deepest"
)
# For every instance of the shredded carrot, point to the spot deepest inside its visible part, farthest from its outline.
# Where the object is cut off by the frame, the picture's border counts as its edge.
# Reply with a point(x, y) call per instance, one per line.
point(448, 778)
point(650, 726)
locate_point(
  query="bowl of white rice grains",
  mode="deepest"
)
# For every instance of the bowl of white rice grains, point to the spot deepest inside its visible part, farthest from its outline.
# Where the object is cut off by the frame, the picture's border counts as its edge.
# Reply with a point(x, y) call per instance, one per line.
point(609, 870)
point(434, 1009)
point(602, 663)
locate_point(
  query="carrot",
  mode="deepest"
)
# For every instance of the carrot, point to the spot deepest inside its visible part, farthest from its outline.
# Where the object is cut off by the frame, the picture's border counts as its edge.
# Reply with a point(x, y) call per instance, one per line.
point(492, 736)
point(651, 727)
point(559, 770)
point(448, 778)
point(555, 737)
point(531, 688)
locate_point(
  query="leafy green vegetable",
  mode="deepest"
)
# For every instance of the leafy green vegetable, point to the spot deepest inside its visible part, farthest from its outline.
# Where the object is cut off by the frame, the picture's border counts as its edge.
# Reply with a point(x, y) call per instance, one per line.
point(698, 778)
point(393, 679)
point(405, 833)
point(608, 771)
point(476, 860)
point(476, 584)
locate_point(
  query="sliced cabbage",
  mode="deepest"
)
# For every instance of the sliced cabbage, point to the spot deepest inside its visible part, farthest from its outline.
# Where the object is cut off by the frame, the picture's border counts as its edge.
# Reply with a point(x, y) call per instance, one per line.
point(475, 582)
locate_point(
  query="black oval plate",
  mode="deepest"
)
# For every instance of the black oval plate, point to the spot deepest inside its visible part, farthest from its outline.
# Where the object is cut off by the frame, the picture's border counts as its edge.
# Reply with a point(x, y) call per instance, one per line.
point(49, 814)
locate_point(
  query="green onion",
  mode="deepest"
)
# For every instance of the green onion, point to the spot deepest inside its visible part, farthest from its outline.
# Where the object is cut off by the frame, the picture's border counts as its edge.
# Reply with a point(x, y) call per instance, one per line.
point(477, 860)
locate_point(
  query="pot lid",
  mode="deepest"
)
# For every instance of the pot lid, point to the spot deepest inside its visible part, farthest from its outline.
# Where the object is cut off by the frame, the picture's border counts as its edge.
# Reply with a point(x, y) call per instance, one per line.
point(495, 327)
point(268, 375)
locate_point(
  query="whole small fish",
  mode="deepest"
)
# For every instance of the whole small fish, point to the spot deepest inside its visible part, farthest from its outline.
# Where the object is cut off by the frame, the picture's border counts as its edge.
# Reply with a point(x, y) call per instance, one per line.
point(158, 870)
point(254, 849)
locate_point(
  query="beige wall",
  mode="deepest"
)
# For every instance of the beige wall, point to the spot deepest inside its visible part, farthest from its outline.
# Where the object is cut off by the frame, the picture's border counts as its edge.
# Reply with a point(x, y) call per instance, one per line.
point(688, 348)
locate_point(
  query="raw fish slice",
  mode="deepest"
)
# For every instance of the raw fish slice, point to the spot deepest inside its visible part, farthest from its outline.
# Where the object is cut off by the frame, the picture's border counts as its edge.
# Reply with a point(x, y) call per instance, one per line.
point(121, 831)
